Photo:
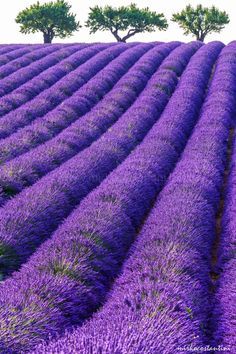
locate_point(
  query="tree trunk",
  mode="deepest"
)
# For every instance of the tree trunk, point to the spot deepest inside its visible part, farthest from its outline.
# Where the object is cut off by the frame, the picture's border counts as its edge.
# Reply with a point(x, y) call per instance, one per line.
point(200, 39)
point(117, 37)
point(201, 36)
point(47, 38)
point(131, 33)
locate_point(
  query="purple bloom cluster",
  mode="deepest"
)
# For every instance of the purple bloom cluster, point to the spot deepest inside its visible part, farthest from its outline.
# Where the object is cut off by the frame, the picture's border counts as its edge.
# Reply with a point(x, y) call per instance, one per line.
point(224, 327)
point(73, 95)
point(18, 65)
point(27, 168)
point(223, 319)
point(9, 125)
point(39, 78)
point(161, 301)
point(68, 277)
point(21, 114)
point(7, 52)
point(59, 191)
point(11, 53)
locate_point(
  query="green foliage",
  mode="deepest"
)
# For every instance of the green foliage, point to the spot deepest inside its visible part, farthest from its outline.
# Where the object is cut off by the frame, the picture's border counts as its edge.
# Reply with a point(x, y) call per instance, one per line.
point(125, 18)
point(53, 19)
point(8, 259)
point(9, 190)
point(201, 21)
point(189, 312)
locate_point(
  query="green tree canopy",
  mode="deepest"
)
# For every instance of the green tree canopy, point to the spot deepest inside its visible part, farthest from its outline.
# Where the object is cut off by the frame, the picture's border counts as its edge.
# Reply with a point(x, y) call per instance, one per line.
point(201, 21)
point(125, 18)
point(53, 19)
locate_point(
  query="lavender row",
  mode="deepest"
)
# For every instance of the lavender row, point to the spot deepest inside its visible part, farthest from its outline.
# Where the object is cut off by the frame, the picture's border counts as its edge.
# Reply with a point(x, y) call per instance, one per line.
point(30, 57)
point(224, 311)
point(51, 88)
point(24, 73)
point(11, 58)
point(86, 252)
point(161, 301)
point(8, 52)
point(29, 167)
point(49, 98)
point(223, 318)
point(8, 48)
point(39, 78)
point(54, 196)
point(81, 99)
point(69, 98)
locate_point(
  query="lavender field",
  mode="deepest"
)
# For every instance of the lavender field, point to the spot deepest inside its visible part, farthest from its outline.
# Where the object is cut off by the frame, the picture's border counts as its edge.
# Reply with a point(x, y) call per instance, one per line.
point(118, 198)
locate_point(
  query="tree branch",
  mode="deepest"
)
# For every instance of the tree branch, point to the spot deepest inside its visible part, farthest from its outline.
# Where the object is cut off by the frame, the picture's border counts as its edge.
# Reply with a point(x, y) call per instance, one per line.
point(130, 33)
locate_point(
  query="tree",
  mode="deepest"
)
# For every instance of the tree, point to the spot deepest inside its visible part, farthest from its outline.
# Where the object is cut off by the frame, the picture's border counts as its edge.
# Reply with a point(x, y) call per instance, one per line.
point(125, 18)
point(201, 21)
point(53, 19)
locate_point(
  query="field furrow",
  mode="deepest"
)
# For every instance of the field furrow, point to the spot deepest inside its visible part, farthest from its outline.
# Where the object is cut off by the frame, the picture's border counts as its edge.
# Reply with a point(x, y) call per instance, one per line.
point(13, 52)
point(42, 74)
point(33, 54)
point(60, 105)
point(69, 275)
point(117, 198)
point(161, 302)
point(7, 52)
point(29, 167)
point(26, 113)
point(51, 96)
point(73, 180)
point(223, 324)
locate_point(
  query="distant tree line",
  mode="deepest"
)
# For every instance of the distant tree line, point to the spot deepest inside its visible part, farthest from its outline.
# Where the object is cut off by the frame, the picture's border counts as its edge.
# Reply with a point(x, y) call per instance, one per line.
point(54, 19)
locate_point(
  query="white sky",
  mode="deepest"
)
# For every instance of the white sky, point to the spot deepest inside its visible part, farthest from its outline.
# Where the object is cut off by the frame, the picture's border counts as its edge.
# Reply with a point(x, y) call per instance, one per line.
point(9, 30)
